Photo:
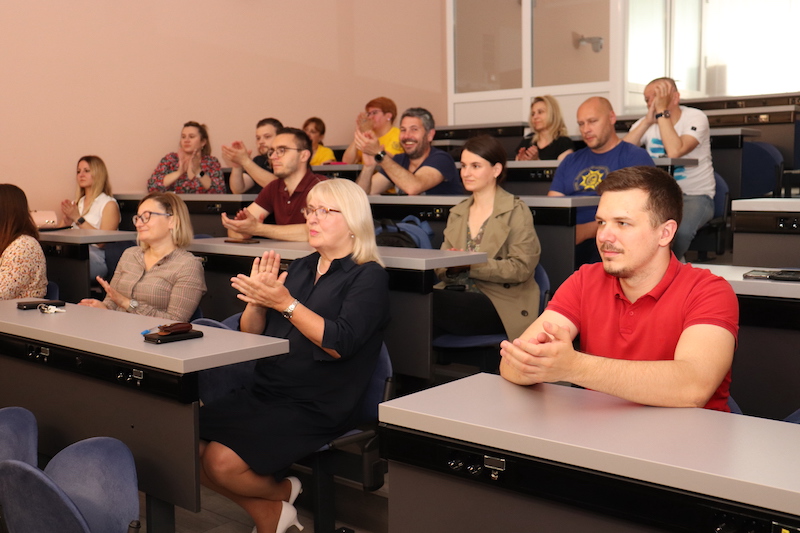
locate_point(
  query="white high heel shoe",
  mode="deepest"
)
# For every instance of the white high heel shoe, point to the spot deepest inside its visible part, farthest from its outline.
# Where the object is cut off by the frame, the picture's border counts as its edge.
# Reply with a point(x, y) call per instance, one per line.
point(297, 488)
point(288, 518)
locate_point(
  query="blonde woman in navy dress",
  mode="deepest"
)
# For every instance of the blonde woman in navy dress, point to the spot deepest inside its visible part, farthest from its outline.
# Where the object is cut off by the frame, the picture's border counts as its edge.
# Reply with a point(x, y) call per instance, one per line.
point(333, 307)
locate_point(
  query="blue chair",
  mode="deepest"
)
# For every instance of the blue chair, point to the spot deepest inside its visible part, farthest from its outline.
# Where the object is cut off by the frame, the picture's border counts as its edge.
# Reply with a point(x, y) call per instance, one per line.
point(19, 435)
point(485, 349)
point(733, 406)
point(762, 170)
point(89, 487)
point(332, 460)
point(53, 292)
point(114, 251)
point(794, 418)
point(713, 236)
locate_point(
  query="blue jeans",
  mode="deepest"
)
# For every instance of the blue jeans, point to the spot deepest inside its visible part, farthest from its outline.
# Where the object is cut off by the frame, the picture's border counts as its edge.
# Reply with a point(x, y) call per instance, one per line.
point(697, 210)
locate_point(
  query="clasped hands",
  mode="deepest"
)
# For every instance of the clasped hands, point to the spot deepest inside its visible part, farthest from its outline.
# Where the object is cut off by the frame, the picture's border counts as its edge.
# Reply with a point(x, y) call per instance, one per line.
point(70, 211)
point(661, 101)
point(189, 164)
point(264, 286)
point(236, 154)
point(244, 223)
point(546, 358)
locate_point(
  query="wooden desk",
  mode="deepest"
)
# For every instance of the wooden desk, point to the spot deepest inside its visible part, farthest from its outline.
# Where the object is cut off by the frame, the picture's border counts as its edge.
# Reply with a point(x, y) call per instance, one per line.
point(411, 281)
point(88, 372)
point(204, 210)
point(767, 359)
point(483, 454)
point(67, 255)
point(553, 216)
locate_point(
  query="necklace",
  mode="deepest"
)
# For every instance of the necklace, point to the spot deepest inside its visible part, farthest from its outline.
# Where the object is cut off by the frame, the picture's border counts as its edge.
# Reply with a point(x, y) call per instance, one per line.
point(318, 270)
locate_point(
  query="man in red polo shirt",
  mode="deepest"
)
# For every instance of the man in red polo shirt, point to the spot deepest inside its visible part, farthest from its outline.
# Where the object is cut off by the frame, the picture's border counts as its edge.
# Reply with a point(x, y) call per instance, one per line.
point(285, 196)
point(652, 330)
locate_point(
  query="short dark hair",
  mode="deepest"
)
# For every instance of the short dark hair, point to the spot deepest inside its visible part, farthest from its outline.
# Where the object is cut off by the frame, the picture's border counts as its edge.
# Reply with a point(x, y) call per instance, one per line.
point(421, 113)
point(490, 149)
point(269, 122)
point(301, 137)
point(665, 198)
point(317, 122)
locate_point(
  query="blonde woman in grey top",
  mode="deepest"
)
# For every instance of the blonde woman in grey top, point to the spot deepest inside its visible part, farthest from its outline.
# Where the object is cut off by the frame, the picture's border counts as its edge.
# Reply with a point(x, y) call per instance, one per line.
point(158, 277)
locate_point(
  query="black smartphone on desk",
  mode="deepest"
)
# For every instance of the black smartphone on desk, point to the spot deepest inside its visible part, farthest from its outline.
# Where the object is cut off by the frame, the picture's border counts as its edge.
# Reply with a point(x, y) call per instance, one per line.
point(34, 304)
point(157, 338)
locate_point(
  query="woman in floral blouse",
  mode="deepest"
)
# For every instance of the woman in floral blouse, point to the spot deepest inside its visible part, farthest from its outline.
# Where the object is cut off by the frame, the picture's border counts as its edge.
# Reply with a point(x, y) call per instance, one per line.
point(191, 170)
point(23, 272)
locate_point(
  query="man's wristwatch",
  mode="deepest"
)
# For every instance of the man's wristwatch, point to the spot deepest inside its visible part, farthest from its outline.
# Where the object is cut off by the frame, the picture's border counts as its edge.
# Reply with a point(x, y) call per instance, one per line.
point(289, 311)
point(80, 221)
point(380, 156)
point(132, 306)
point(664, 114)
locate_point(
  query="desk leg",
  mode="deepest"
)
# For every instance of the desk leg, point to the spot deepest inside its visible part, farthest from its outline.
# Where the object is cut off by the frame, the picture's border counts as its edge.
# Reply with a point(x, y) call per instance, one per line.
point(408, 337)
point(160, 515)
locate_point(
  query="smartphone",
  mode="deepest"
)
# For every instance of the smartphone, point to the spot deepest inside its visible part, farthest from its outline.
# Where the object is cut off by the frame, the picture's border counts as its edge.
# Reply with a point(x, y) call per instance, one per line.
point(155, 338)
point(242, 241)
point(758, 274)
point(34, 304)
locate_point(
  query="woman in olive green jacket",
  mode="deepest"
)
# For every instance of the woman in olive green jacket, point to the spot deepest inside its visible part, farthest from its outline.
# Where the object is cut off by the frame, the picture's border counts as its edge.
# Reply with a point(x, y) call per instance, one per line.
point(500, 294)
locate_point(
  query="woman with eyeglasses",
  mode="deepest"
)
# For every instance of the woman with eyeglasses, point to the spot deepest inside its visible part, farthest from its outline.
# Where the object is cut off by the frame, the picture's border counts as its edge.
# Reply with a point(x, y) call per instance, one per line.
point(158, 277)
point(94, 207)
point(332, 306)
point(191, 170)
point(23, 271)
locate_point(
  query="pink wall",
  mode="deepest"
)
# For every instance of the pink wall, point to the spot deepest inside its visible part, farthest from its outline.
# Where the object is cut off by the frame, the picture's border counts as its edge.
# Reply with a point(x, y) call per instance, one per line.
point(118, 79)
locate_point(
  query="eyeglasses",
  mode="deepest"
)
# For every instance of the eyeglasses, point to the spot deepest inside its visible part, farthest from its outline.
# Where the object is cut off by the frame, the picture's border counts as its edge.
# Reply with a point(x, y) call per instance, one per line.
point(144, 218)
point(280, 150)
point(374, 112)
point(321, 212)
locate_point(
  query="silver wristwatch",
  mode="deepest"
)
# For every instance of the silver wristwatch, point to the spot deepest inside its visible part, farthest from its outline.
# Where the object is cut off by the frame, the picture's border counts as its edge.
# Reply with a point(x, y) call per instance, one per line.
point(132, 306)
point(289, 311)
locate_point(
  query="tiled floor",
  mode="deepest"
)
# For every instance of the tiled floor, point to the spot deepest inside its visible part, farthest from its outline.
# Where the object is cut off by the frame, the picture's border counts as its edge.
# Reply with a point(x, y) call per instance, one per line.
point(363, 512)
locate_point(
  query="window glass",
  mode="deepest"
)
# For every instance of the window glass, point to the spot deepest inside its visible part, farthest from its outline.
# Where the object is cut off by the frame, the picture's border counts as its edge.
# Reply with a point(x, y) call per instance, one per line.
point(647, 51)
point(488, 45)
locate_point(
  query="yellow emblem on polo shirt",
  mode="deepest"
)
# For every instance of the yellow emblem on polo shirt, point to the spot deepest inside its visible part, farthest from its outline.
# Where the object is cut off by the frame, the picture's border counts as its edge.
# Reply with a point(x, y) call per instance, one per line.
point(591, 180)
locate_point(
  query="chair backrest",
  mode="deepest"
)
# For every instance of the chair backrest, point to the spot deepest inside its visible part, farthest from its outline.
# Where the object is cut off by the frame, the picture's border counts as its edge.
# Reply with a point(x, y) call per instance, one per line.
point(376, 390)
point(19, 435)
point(32, 501)
point(113, 252)
point(53, 291)
point(762, 169)
point(99, 476)
point(543, 281)
point(721, 196)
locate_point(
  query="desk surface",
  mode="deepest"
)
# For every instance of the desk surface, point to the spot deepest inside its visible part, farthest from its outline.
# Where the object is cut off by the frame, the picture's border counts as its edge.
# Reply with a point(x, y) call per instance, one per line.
point(530, 201)
point(754, 287)
point(734, 457)
point(790, 205)
point(402, 258)
point(118, 335)
point(86, 236)
point(196, 197)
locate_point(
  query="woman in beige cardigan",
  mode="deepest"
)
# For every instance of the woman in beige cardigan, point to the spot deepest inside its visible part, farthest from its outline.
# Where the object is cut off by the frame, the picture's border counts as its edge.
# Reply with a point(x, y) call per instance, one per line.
point(499, 296)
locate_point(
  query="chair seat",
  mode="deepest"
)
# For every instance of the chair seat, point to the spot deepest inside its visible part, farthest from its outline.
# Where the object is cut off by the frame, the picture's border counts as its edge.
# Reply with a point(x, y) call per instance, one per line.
point(468, 341)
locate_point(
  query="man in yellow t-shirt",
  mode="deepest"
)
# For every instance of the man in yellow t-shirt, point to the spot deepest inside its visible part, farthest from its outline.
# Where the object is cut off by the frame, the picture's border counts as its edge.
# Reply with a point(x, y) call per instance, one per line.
point(379, 118)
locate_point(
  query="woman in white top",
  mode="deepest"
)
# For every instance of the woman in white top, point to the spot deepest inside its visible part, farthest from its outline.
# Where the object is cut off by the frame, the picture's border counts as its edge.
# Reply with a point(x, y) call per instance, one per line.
point(94, 207)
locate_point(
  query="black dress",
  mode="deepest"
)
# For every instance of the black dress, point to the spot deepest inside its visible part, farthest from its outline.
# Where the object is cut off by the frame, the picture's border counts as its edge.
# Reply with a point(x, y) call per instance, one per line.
point(552, 150)
point(303, 399)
